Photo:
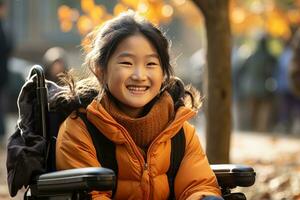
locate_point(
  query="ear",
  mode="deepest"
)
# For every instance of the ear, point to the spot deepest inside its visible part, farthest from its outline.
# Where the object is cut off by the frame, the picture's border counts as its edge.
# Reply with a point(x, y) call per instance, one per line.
point(99, 72)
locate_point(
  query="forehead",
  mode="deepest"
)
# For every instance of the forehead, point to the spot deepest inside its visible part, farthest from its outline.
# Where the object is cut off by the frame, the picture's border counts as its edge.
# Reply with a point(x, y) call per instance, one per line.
point(137, 45)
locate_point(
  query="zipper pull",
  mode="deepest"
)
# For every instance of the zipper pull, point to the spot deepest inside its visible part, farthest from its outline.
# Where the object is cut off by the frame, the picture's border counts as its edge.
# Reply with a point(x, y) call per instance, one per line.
point(146, 166)
point(145, 182)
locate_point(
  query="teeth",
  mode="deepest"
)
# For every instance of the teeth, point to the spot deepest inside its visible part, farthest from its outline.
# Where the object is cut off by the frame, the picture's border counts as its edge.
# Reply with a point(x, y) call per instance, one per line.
point(137, 88)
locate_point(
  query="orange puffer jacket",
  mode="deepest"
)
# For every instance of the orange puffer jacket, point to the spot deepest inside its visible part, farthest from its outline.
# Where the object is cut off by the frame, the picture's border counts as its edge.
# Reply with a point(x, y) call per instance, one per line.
point(139, 178)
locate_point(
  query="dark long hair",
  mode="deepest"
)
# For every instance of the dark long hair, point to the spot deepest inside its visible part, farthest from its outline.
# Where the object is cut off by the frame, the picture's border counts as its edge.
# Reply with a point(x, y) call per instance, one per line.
point(104, 41)
point(101, 43)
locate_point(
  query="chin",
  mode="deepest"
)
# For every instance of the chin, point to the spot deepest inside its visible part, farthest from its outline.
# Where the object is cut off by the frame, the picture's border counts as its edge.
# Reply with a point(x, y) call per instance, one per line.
point(136, 105)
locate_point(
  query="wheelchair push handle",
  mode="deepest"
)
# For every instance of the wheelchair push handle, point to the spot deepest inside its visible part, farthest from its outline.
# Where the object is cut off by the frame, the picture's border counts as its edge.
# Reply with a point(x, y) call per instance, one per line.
point(42, 99)
point(38, 70)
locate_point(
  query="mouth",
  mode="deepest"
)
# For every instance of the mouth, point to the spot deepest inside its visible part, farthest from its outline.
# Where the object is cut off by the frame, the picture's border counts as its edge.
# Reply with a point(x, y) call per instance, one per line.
point(136, 89)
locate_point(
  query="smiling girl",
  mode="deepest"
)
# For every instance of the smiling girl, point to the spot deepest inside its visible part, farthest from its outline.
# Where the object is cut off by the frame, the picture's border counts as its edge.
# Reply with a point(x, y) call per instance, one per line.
point(140, 107)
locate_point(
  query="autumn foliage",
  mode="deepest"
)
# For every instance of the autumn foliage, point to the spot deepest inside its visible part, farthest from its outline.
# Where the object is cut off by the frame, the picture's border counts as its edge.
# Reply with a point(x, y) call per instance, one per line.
point(247, 16)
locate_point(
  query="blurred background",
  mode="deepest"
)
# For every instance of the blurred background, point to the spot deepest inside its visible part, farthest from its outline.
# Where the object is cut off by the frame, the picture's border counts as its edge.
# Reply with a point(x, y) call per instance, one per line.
point(265, 68)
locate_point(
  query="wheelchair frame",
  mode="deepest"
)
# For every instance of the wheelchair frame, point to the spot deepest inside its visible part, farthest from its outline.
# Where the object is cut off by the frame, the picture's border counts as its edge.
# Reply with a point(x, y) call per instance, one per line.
point(76, 184)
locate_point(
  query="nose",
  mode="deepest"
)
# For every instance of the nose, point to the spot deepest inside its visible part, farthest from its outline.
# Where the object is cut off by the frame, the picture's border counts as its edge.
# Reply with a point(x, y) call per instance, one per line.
point(139, 73)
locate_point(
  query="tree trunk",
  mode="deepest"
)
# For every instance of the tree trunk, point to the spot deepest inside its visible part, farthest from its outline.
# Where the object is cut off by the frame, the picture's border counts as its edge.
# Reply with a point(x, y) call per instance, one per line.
point(218, 102)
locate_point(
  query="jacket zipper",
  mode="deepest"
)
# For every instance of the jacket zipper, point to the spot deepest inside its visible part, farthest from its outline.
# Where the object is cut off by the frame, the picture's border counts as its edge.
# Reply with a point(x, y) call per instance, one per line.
point(140, 157)
point(146, 182)
point(143, 162)
point(133, 147)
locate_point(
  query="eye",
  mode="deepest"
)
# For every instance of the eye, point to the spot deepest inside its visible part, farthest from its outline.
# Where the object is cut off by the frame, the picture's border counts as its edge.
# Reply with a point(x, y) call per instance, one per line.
point(125, 63)
point(152, 64)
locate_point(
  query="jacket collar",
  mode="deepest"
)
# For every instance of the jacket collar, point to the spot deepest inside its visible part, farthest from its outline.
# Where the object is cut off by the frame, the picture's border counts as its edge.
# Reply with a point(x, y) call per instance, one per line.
point(115, 132)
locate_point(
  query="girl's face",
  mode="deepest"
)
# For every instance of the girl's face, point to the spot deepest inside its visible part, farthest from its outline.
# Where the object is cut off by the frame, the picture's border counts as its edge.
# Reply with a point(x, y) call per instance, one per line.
point(134, 74)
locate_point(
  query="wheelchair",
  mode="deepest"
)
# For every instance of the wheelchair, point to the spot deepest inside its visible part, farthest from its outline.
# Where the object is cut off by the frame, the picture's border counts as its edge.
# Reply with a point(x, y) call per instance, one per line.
point(76, 184)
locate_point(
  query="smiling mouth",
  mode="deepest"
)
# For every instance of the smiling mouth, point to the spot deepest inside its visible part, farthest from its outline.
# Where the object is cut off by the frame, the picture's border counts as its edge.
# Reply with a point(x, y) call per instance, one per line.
point(137, 89)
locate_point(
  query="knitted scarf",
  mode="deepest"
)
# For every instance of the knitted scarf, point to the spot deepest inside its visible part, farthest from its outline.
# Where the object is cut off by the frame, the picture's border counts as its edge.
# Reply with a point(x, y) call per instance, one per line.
point(145, 129)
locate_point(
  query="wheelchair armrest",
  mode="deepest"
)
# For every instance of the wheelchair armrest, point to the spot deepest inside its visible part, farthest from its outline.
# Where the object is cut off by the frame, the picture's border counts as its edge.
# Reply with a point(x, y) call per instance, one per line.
point(72, 180)
point(231, 176)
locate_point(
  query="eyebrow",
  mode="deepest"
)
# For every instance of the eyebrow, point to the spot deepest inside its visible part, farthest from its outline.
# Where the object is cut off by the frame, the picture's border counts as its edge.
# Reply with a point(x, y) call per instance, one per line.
point(127, 54)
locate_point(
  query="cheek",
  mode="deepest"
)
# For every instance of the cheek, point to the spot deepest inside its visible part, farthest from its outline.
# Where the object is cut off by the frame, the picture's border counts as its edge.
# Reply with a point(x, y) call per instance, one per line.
point(114, 80)
point(158, 81)
point(158, 78)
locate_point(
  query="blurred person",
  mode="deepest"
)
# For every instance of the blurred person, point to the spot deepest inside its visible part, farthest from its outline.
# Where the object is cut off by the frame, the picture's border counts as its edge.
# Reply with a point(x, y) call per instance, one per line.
point(294, 70)
point(287, 103)
point(239, 54)
point(294, 78)
point(257, 85)
point(5, 51)
point(54, 63)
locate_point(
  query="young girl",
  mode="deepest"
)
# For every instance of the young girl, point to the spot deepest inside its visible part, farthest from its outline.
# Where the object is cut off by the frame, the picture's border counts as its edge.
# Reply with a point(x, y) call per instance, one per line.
point(140, 107)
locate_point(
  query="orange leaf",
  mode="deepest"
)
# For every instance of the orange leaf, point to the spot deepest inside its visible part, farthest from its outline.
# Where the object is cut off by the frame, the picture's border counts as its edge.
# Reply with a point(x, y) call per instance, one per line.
point(87, 5)
point(64, 12)
point(119, 8)
point(131, 3)
point(84, 24)
point(66, 25)
point(97, 14)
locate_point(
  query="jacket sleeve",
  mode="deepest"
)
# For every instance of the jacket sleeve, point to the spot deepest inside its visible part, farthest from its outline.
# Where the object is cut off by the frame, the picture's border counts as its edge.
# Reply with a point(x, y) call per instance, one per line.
point(75, 149)
point(195, 179)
